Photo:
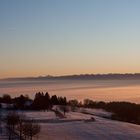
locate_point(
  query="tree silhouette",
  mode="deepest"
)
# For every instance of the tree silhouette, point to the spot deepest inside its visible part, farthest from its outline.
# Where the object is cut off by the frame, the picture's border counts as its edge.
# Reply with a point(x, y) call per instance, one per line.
point(30, 129)
point(20, 125)
point(11, 121)
point(54, 100)
point(6, 98)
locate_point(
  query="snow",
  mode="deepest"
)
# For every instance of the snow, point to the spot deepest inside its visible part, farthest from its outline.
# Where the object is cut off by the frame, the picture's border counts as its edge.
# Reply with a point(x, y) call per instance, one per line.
point(77, 115)
point(96, 112)
point(40, 115)
point(100, 129)
point(75, 126)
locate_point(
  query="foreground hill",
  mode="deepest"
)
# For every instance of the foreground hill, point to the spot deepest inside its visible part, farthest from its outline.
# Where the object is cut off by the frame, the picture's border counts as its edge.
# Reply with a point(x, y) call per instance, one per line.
point(101, 129)
point(76, 127)
point(79, 126)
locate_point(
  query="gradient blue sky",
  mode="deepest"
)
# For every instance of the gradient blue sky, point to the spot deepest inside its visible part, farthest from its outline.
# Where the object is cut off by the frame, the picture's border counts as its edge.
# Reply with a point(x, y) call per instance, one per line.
point(58, 37)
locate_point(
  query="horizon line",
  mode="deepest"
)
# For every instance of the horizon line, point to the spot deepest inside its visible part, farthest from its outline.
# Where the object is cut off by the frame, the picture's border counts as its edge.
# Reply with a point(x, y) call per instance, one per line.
point(66, 75)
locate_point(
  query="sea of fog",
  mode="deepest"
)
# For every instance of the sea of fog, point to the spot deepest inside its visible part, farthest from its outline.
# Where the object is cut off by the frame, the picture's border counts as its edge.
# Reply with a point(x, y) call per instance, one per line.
point(98, 90)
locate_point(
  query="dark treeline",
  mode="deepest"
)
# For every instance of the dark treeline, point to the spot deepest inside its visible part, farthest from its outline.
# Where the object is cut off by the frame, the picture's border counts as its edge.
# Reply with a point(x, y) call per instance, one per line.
point(41, 101)
point(122, 111)
point(44, 101)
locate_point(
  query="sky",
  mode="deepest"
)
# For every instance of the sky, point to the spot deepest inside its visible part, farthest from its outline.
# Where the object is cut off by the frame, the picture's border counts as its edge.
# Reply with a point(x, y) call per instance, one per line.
point(60, 37)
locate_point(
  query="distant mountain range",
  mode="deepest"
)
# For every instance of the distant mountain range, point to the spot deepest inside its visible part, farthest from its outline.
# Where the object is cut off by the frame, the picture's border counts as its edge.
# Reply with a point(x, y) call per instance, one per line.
point(83, 77)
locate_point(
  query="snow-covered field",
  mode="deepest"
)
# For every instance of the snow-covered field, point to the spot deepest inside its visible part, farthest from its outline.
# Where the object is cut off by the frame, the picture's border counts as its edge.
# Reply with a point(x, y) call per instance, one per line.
point(40, 115)
point(100, 129)
point(80, 126)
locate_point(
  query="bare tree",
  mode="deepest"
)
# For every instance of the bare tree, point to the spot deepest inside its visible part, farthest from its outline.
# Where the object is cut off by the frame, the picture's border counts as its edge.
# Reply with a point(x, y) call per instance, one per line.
point(74, 104)
point(30, 129)
point(20, 125)
point(12, 120)
point(64, 109)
